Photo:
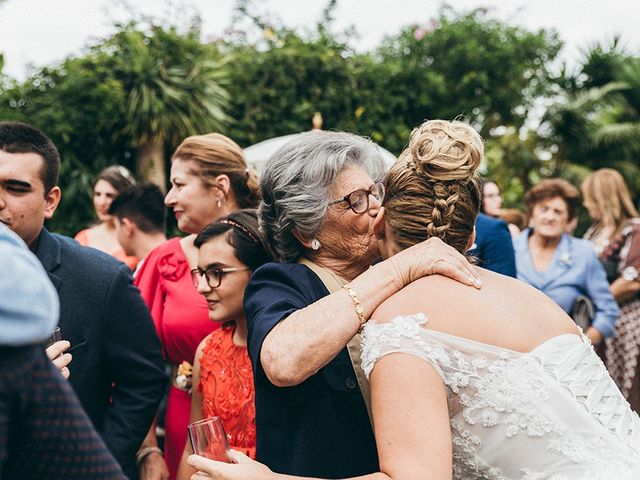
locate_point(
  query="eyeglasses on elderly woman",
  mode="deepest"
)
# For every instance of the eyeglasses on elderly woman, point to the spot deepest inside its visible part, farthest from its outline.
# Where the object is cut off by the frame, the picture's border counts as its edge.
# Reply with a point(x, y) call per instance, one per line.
point(358, 200)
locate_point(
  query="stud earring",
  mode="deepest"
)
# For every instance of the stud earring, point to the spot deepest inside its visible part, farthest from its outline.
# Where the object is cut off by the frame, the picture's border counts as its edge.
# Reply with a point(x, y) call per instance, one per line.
point(219, 203)
point(315, 244)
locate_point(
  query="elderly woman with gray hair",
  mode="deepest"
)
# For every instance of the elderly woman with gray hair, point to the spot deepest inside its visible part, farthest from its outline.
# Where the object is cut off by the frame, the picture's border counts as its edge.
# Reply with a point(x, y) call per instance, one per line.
point(321, 195)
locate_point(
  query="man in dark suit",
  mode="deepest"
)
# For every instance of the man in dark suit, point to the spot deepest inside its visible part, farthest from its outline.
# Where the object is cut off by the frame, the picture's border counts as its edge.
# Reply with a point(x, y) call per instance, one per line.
point(34, 442)
point(117, 369)
point(493, 245)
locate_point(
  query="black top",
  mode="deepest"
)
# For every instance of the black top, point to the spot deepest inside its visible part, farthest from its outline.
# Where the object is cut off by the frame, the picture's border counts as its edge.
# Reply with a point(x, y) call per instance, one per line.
point(321, 427)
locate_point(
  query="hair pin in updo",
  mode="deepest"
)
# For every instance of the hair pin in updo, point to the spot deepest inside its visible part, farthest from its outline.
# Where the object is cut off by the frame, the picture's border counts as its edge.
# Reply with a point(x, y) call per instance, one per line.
point(242, 228)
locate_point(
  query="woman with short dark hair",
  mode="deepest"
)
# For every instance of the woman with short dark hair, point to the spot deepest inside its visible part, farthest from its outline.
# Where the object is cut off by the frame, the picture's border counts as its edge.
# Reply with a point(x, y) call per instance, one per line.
point(562, 266)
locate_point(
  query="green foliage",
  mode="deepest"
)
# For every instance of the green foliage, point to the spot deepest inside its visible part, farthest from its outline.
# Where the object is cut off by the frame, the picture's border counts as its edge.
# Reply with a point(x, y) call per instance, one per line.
point(139, 84)
point(79, 105)
point(449, 70)
point(468, 65)
point(151, 83)
point(276, 90)
point(173, 88)
point(596, 124)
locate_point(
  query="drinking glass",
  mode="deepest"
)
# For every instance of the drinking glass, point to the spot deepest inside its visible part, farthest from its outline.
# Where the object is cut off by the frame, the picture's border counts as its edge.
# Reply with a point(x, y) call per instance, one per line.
point(55, 336)
point(209, 439)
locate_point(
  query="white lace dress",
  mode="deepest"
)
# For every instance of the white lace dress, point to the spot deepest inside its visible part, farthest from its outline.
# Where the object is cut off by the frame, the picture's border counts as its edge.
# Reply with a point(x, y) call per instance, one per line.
point(552, 414)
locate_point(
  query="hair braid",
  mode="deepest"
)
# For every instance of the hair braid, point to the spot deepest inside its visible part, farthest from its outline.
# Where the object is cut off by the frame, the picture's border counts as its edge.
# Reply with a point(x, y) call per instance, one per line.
point(433, 191)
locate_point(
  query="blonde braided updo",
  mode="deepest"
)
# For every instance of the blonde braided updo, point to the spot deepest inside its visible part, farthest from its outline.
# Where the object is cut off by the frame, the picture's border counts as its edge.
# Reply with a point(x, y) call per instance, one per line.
point(432, 190)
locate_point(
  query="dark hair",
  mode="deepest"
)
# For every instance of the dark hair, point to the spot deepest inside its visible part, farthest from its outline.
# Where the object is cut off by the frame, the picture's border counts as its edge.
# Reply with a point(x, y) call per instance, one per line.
point(552, 188)
point(143, 204)
point(117, 176)
point(16, 137)
point(243, 234)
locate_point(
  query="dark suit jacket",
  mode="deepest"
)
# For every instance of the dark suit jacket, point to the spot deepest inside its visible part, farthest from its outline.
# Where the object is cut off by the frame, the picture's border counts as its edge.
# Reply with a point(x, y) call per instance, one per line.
point(117, 370)
point(44, 433)
point(493, 245)
point(319, 428)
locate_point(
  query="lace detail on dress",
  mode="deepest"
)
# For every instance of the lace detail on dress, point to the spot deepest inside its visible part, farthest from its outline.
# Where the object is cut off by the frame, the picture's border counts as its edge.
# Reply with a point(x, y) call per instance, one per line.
point(226, 383)
point(553, 413)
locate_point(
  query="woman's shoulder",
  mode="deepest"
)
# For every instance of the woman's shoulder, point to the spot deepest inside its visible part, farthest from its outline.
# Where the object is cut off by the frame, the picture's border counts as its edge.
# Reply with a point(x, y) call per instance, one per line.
point(439, 296)
point(520, 241)
point(170, 248)
point(220, 336)
point(421, 295)
point(288, 283)
point(82, 237)
point(168, 259)
point(580, 248)
point(284, 272)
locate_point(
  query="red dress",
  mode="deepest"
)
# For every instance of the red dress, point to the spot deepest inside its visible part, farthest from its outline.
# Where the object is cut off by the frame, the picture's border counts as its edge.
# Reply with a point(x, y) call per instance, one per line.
point(226, 383)
point(182, 320)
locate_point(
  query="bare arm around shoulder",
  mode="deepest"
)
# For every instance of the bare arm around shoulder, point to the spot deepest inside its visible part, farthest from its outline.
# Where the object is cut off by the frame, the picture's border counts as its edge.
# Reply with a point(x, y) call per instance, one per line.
point(308, 339)
point(411, 422)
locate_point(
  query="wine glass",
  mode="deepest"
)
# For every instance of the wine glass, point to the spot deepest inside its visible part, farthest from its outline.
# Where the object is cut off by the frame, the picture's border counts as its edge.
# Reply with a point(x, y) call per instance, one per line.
point(209, 439)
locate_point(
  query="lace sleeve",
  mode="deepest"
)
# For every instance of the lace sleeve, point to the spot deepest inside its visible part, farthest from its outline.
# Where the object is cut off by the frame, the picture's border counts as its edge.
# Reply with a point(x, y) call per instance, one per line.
point(401, 335)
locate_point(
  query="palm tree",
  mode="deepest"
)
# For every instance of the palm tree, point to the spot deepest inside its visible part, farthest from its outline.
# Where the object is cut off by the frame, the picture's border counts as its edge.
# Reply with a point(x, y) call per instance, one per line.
point(174, 89)
point(597, 124)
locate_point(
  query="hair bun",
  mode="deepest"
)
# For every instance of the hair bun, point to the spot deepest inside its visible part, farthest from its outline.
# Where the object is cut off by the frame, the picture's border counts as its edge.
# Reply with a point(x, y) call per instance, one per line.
point(444, 151)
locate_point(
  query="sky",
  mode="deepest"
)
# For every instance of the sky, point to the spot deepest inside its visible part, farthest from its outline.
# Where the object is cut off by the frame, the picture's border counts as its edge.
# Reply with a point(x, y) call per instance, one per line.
point(42, 32)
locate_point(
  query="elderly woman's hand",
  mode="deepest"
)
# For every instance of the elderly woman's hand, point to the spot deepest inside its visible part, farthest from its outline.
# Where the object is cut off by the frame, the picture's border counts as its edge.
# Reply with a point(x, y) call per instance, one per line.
point(55, 353)
point(243, 468)
point(430, 257)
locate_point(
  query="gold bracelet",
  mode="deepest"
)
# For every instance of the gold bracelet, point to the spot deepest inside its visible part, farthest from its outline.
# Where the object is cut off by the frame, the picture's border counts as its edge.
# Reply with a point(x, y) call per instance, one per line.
point(356, 304)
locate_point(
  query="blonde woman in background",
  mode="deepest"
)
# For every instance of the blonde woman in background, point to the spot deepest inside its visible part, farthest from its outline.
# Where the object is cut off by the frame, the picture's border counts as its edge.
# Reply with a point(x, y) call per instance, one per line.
point(615, 233)
point(109, 183)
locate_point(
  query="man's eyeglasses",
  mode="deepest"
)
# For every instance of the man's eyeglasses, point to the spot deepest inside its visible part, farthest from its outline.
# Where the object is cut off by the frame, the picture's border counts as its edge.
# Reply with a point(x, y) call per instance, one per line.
point(358, 200)
point(213, 275)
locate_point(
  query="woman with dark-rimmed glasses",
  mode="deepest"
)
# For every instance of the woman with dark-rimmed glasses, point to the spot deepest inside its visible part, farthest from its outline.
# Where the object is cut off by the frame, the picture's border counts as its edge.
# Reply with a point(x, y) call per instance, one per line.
point(228, 252)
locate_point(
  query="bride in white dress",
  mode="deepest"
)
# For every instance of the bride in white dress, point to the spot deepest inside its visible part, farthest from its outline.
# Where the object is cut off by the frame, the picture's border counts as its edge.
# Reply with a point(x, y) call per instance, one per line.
point(496, 383)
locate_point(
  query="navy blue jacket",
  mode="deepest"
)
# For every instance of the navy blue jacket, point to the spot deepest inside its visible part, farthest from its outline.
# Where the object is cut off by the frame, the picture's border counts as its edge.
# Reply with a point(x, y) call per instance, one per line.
point(493, 246)
point(319, 428)
point(44, 433)
point(117, 369)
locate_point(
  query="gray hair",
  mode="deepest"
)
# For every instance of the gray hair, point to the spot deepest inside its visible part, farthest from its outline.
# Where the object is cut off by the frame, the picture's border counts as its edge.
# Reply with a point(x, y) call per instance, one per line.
point(297, 180)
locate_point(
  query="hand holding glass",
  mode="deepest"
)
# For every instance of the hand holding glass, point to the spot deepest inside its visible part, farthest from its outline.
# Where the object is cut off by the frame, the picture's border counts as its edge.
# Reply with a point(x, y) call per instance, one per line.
point(208, 439)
